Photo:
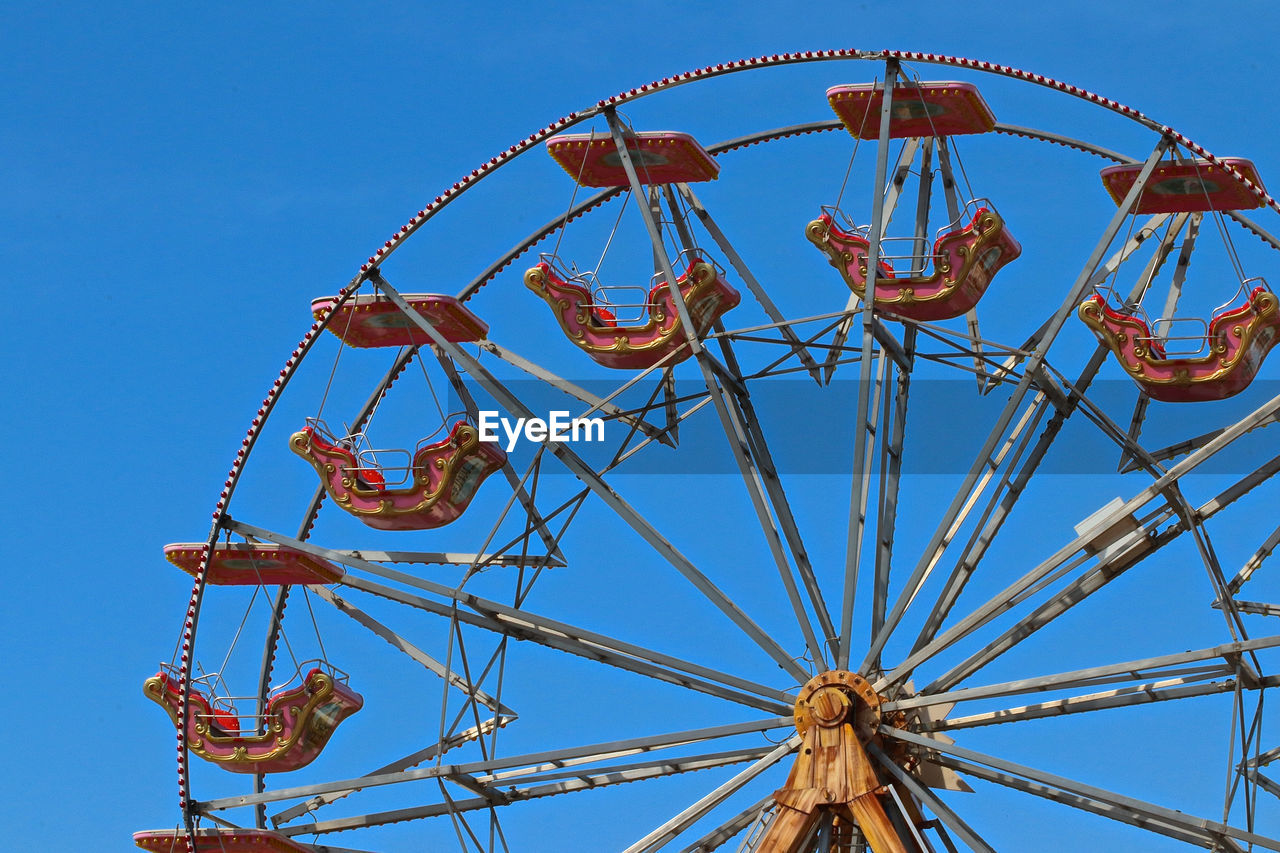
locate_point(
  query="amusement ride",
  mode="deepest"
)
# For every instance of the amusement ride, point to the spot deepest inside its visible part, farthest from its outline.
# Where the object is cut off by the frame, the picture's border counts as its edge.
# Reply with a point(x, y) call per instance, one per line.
point(848, 572)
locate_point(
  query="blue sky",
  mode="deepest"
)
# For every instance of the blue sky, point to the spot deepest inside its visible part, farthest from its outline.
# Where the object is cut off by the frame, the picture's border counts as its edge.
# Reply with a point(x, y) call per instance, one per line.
point(178, 183)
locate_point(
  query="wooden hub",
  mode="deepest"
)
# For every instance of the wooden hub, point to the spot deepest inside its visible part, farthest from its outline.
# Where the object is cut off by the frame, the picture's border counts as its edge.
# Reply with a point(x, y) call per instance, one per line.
point(838, 715)
point(832, 698)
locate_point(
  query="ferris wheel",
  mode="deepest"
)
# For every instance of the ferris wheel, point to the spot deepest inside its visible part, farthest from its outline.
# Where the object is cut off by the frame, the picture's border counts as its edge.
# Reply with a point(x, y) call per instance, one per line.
point(602, 508)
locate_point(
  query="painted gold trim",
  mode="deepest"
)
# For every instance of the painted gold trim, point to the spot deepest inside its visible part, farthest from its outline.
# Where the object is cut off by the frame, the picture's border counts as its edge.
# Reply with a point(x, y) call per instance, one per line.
point(696, 296)
point(988, 226)
point(465, 440)
point(318, 688)
point(1260, 310)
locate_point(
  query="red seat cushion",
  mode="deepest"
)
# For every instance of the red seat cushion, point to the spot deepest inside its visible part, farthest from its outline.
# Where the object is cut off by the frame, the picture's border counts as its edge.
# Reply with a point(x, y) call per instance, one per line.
point(226, 721)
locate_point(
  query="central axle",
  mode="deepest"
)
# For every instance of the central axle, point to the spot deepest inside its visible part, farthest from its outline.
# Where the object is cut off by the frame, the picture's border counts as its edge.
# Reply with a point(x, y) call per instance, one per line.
point(838, 715)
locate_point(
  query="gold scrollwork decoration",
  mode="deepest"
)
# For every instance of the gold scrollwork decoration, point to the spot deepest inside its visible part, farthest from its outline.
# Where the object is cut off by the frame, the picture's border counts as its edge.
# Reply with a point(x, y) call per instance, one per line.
point(699, 282)
point(985, 231)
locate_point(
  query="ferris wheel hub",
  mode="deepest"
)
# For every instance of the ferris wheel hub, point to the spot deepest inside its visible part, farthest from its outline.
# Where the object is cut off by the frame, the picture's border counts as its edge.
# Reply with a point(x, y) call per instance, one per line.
point(838, 715)
point(833, 698)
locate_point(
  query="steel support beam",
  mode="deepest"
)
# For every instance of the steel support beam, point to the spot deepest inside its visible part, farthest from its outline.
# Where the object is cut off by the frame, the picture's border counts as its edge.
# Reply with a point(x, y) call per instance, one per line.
point(1115, 803)
point(1116, 673)
point(862, 424)
point(695, 812)
point(516, 766)
point(606, 492)
point(597, 404)
point(411, 760)
point(752, 283)
point(413, 652)
point(734, 421)
point(523, 624)
point(585, 782)
point(1216, 843)
point(944, 812)
point(1074, 295)
point(1006, 599)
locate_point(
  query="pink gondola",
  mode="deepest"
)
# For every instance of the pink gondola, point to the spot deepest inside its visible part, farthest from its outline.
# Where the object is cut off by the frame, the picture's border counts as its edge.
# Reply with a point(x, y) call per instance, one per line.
point(1227, 351)
point(295, 727)
point(656, 333)
point(1238, 340)
point(964, 261)
point(442, 477)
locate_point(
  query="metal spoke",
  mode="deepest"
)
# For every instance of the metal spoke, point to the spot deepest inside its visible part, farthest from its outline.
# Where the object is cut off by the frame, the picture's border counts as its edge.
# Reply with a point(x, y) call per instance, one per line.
point(611, 498)
point(1145, 669)
point(1074, 295)
point(1107, 803)
point(599, 404)
point(862, 422)
point(523, 624)
point(749, 818)
point(1013, 485)
point(1140, 694)
point(1011, 451)
point(936, 805)
point(678, 824)
point(1004, 600)
point(751, 439)
point(790, 528)
point(412, 760)
point(517, 766)
point(1126, 553)
point(761, 295)
point(1135, 431)
point(1257, 608)
point(858, 504)
point(1123, 555)
point(734, 422)
point(508, 470)
point(760, 461)
point(712, 759)
point(1122, 814)
point(1179, 448)
point(414, 653)
point(584, 781)
point(890, 481)
point(1254, 562)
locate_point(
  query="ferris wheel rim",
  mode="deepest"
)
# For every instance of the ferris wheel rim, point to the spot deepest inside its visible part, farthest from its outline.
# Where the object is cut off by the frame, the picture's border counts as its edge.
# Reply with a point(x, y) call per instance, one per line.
point(465, 182)
point(371, 268)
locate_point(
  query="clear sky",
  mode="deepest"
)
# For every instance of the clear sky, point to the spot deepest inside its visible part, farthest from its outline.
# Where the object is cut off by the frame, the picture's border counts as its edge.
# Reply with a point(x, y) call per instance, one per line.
point(179, 182)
